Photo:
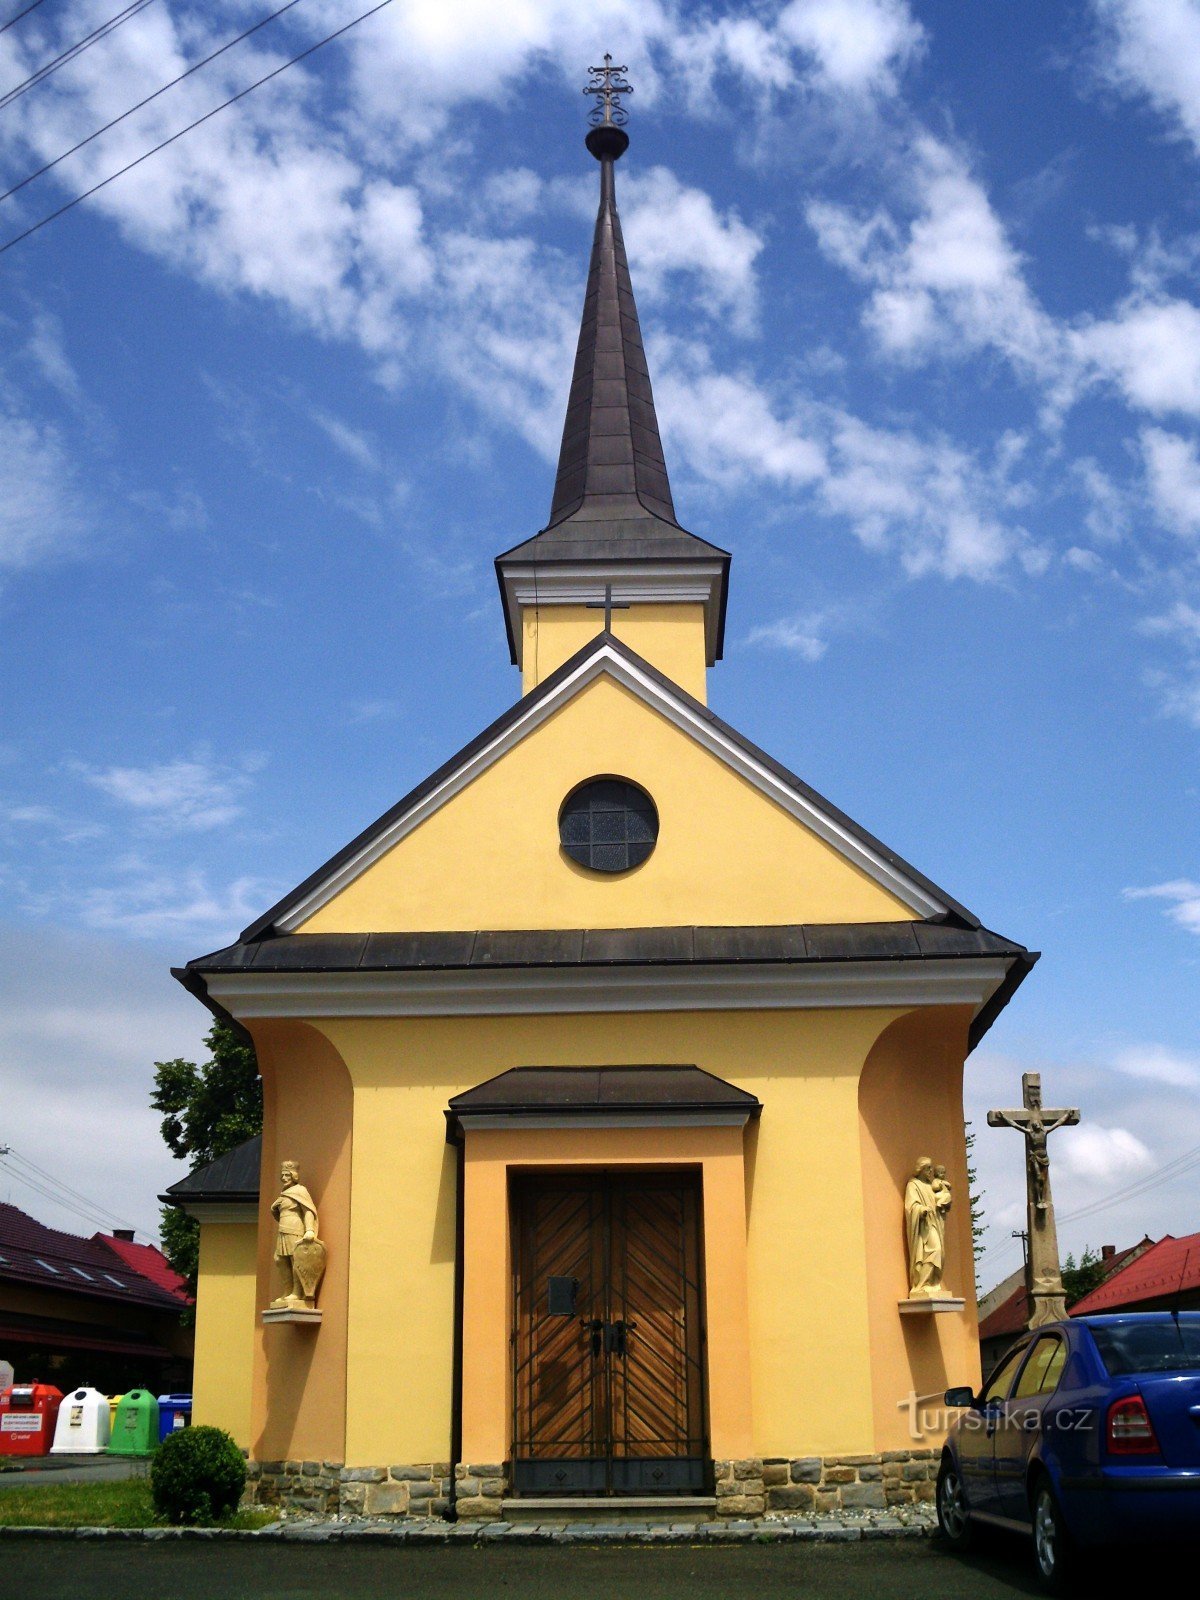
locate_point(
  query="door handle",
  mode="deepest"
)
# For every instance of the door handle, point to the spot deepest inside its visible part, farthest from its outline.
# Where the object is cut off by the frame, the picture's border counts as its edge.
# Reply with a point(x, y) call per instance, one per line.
point(596, 1329)
point(616, 1336)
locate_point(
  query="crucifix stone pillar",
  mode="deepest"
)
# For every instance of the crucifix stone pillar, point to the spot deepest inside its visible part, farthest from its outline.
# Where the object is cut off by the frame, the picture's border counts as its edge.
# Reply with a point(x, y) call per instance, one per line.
point(1034, 1123)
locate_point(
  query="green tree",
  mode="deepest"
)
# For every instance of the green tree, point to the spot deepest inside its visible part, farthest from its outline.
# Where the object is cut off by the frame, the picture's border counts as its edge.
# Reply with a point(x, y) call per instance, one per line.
point(1080, 1279)
point(975, 1201)
point(209, 1109)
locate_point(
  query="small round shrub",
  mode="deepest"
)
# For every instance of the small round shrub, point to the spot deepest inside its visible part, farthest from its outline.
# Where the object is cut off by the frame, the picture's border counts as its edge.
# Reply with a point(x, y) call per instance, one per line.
point(197, 1475)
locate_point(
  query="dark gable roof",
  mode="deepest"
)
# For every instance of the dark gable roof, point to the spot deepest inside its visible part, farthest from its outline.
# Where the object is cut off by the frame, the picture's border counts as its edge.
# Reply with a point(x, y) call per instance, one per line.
point(598, 947)
point(232, 1177)
point(32, 1253)
point(547, 687)
point(585, 1091)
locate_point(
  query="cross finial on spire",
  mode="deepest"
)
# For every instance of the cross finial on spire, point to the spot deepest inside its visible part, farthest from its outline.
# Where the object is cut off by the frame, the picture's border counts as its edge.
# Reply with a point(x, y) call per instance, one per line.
point(607, 84)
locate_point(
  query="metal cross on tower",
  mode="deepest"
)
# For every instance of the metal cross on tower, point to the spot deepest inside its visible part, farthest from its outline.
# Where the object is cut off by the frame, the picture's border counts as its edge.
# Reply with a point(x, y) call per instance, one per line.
point(1034, 1122)
point(609, 607)
point(608, 85)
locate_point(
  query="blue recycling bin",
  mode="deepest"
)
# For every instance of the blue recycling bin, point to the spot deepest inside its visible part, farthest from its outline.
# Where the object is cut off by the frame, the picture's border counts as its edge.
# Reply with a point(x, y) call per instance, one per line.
point(174, 1412)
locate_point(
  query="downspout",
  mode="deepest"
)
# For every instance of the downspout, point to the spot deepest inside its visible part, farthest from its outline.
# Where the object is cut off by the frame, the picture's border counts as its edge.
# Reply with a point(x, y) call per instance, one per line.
point(454, 1134)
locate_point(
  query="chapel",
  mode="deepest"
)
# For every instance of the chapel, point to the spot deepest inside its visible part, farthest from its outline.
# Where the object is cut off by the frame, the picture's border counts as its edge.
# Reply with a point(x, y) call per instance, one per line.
point(613, 1141)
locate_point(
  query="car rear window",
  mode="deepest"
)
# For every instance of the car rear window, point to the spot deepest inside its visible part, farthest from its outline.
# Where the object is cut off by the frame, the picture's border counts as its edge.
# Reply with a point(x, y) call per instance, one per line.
point(1149, 1346)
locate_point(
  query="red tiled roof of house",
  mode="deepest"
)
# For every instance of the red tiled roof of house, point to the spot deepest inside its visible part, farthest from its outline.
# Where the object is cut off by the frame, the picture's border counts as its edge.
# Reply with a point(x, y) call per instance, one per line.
point(1164, 1269)
point(30, 1252)
point(1010, 1316)
point(149, 1260)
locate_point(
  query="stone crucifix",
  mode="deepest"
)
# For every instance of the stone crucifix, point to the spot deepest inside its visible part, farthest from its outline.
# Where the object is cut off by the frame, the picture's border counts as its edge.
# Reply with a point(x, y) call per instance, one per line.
point(1035, 1123)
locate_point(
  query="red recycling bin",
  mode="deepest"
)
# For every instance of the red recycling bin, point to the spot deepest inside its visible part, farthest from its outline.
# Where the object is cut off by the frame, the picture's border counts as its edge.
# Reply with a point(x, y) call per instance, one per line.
point(28, 1413)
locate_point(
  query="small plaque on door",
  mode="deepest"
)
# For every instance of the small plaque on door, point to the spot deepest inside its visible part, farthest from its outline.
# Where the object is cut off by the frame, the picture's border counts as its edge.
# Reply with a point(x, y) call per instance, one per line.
point(561, 1296)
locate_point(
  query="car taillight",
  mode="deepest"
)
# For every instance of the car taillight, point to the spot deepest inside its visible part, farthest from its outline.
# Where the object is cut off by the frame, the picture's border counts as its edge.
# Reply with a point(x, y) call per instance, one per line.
point(1130, 1431)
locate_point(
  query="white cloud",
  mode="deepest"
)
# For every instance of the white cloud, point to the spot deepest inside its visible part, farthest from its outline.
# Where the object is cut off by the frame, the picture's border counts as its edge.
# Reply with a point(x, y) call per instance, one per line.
point(801, 636)
point(671, 228)
point(928, 501)
point(1180, 621)
point(41, 509)
point(156, 905)
point(102, 1011)
point(1150, 350)
point(1183, 897)
point(1151, 50)
point(1178, 691)
point(1173, 479)
point(1101, 1155)
point(949, 280)
point(352, 442)
point(193, 794)
point(1157, 1064)
point(858, 45)
point(1108, 512)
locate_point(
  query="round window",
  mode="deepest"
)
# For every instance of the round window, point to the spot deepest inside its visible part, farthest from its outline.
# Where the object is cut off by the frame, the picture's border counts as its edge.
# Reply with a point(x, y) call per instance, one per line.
point(608, 824)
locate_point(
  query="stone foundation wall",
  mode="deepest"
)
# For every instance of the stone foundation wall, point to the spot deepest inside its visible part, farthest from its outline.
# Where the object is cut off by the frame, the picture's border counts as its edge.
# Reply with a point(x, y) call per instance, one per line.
point(812, 1484)
point(745, 1489)
point(328, 1488)
point(479, 1490)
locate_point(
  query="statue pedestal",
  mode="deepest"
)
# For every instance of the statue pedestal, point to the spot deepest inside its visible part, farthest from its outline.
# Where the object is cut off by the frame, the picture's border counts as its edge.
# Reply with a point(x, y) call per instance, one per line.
point(291, 1314)
point(927, 1305)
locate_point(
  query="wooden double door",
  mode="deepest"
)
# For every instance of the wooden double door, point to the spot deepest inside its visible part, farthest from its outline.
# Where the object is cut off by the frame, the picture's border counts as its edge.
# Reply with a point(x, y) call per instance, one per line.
point(608, 1336)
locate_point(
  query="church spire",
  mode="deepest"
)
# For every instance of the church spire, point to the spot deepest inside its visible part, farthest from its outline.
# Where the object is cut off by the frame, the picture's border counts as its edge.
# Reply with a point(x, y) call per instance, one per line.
point(611, 464)
point(612, 537)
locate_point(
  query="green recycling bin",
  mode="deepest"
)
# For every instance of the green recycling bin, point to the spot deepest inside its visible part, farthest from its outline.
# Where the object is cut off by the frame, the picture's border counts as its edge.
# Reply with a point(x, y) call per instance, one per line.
point(135, 1426)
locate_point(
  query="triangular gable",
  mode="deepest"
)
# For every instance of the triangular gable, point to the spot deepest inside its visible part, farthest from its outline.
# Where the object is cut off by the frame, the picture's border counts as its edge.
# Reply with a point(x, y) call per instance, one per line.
point(607, 658)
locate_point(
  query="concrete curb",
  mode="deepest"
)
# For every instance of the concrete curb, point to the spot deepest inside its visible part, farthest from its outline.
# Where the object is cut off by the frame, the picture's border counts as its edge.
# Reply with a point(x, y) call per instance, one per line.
point(821, 1530)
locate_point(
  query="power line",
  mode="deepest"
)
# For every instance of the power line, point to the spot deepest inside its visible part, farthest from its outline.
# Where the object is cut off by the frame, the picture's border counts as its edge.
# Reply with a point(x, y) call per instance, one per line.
point(51, 1188)
point(1138, 1190)
point(228, 45)
point(162, 145)
point(5, 26)
point(48, 1177)
point(72, 50)
point(1174, 1169)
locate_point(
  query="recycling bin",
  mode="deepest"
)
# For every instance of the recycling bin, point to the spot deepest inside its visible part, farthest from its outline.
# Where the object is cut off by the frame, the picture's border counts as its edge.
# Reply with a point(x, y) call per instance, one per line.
point(114, 1400)
point(174, 1412)
point(83, 1424)
point(135, 1432)
point(28, 1413)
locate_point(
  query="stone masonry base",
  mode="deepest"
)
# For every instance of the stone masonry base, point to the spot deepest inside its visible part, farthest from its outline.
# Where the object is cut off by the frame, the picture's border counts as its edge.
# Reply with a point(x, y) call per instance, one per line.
point(813, 1484)
point(745, 1489)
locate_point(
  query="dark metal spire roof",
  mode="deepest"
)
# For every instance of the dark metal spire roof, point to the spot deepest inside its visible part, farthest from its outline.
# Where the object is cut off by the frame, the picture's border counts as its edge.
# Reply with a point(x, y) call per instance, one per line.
point(612, 499)
point(611, 464)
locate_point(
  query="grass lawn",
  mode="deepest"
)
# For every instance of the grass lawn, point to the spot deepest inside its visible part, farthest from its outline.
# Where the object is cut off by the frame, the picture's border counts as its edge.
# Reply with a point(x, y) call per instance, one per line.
point(125, 1504)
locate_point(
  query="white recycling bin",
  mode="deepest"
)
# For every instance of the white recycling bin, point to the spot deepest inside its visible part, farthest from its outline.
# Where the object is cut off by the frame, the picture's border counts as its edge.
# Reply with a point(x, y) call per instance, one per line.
point(83, 1424)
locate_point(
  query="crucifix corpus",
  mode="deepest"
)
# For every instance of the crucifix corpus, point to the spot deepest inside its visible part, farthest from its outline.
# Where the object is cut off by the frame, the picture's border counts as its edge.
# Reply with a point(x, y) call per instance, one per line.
point(1035, 1122)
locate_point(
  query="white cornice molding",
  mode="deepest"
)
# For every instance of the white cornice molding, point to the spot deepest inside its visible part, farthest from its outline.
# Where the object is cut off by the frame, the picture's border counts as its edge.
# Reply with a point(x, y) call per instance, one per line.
point(633, 583)
point(606, 660)
point(475, 991)
point(556, 1122)
point(237, 1211)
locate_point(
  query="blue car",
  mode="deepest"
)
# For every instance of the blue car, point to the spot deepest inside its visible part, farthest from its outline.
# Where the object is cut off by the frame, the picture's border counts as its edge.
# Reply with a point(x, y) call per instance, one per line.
point(1086, 1434)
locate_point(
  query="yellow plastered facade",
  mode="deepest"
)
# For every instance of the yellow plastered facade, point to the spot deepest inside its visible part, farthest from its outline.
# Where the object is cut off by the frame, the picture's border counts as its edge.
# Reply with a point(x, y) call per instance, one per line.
point(807, 1261)
point(669, 636)
point(803, 1216)
point(225, 1319)
point(726, 853)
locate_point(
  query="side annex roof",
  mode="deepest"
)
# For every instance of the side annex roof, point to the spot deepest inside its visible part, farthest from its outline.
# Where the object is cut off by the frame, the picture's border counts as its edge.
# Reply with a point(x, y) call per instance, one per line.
point(606, 653)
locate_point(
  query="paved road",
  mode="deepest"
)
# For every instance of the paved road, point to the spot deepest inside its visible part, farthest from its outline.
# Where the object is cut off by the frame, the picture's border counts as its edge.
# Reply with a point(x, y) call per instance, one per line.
point(41, 1471)
point(917, 1570)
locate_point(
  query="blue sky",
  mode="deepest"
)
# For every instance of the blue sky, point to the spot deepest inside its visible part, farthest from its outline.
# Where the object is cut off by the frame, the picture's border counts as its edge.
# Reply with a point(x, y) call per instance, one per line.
point(919, 287)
